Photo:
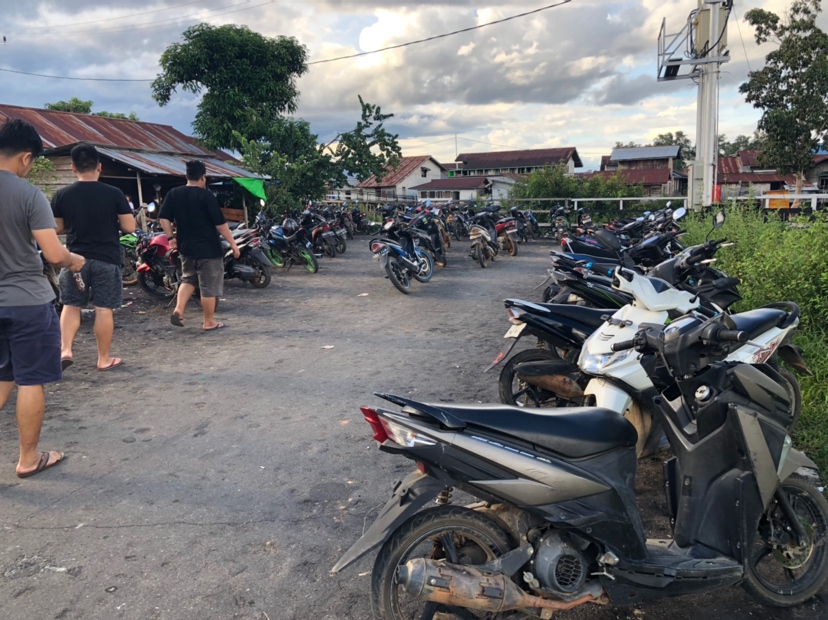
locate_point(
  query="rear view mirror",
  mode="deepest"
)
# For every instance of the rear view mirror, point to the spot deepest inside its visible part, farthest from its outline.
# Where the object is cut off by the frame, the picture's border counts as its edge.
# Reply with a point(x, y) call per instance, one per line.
point(679, 213)
point(719, 219)
point(669, 203)
point(262, 202)
point(651, 217)
point(608, 240)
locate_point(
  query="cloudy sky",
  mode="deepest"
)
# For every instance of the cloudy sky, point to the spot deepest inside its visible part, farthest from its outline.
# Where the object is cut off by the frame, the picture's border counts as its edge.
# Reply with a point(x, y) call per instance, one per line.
point(579, 75)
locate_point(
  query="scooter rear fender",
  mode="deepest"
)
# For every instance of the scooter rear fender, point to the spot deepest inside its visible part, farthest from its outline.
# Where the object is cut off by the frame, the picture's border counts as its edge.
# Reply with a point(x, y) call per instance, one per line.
point(409, 497)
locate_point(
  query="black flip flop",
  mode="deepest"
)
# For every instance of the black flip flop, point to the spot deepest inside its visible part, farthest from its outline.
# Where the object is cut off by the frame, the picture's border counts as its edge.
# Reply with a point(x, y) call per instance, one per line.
point(176, 320)
point(42, 465)
point(66, 362)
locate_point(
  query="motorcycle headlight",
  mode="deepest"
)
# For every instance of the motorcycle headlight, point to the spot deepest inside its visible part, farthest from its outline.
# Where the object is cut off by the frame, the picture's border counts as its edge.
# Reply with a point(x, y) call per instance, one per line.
point(595, 364)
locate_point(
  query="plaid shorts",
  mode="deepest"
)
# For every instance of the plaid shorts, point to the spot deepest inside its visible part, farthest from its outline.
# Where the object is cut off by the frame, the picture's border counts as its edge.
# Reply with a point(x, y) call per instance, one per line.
point(103, 286)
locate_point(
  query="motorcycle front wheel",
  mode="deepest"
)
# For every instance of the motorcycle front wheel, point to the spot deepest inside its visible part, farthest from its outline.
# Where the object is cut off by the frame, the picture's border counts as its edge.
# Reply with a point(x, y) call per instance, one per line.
point(479, 255)
point(780, 572)
point(398, 276)
point(452, 533)
point(426, 267)
point(129, 273)
point(515, 392)
point(341, 246)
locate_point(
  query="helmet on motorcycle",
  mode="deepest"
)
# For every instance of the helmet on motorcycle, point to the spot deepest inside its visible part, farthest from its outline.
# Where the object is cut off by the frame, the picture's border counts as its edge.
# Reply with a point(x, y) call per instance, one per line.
point(290, 225)
point(326, 213)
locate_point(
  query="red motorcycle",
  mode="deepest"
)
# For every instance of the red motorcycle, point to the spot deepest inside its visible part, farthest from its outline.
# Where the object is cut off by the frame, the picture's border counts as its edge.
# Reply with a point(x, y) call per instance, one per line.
point(507, 235)
point(159, 272)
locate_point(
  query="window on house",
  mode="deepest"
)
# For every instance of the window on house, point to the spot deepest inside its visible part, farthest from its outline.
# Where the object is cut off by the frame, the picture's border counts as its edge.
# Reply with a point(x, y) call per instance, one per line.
point(424, 172)
point(823, 184)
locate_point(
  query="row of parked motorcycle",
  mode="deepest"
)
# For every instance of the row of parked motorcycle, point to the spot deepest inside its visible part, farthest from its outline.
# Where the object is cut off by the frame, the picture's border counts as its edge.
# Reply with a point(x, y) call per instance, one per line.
point(413, 240)
point(640, 351)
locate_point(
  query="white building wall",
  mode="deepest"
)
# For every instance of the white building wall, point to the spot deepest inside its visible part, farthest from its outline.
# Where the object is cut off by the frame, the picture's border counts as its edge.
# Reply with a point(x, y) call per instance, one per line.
point(426, 172)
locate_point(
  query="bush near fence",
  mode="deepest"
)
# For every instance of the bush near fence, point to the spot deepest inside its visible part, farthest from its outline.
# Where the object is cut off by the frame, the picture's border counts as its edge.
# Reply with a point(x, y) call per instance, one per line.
point(783, 261)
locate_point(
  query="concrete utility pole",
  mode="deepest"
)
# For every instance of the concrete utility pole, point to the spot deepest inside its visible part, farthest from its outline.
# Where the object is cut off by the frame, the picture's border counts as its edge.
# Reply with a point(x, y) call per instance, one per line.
point(704, 40)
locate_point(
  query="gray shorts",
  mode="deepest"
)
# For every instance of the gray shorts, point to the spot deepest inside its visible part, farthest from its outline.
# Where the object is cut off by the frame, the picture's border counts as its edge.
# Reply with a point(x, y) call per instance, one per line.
point(205, 273)
point(103, 286)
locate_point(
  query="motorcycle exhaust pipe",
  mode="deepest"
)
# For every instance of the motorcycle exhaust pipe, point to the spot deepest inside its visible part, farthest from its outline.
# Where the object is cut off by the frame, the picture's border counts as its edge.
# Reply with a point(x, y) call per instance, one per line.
point(464, 586)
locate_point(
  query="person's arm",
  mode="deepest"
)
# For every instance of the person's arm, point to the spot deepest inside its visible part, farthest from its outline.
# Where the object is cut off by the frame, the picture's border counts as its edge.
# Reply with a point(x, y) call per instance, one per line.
point(126, 223)
point(224, 231)
point(167, 226)
point(57, 212)
point(61, 227)
point(55, 252)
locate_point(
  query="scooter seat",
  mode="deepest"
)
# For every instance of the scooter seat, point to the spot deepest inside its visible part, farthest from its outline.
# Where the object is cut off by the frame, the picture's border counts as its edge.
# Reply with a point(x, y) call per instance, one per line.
point(572, 432)
point(757, 322)
point(588, 316)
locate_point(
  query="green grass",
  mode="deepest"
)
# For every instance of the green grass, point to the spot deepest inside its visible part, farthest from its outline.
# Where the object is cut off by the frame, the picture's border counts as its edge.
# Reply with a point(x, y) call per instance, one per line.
point(779, 261)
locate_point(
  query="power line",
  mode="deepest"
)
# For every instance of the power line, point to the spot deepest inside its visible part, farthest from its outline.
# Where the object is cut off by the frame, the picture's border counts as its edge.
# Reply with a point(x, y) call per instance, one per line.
point(441, 36)
point(112, 19)
point(739, 26)
point(416, 146)
point(63, 77)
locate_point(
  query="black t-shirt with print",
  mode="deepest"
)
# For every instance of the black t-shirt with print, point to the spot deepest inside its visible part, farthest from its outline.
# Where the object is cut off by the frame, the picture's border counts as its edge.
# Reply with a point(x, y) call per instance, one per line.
point(196, 214)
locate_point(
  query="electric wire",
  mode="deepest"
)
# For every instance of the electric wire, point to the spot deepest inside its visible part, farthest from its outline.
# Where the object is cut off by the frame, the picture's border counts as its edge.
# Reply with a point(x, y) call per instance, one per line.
point(441, 36)
point(744, 47)
point(112, 19)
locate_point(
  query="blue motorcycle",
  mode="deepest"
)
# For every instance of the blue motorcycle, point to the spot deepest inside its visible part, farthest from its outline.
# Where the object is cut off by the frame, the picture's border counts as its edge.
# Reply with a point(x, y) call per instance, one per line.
point(401, 259)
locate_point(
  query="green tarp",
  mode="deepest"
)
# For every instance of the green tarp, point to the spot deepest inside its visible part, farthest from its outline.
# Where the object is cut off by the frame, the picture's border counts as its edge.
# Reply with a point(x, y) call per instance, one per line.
point(254, 186)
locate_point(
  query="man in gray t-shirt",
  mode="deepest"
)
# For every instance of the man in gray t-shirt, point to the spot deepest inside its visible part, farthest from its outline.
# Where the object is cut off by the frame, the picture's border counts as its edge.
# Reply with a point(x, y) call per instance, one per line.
point(29, 327)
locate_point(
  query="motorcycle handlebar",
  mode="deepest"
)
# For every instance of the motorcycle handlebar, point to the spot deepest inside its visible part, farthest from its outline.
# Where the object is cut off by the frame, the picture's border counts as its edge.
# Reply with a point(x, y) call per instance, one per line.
point(623, 346)
point(731, 335)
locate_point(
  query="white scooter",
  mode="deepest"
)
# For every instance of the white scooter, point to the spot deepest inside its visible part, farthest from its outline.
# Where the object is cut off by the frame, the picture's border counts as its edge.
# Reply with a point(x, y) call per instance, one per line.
point(620, 380)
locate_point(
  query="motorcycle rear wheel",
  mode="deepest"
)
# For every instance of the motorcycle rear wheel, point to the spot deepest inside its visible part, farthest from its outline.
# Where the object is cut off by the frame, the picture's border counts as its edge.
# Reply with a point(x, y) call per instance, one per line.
point(398, 276)
point(513, 391)
point(789, 575)
point(480, 256)
point(263, 277)
point(454, 533)
point(147, 282)
point(330, 249)
point(511, 246)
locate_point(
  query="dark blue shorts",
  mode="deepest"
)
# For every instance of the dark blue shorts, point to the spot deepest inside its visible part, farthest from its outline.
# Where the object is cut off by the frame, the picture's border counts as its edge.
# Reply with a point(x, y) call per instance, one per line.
point(30, 345)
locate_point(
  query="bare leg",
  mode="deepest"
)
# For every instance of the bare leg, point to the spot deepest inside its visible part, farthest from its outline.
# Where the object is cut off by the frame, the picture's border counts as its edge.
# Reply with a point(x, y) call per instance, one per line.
point(70, 320)
point(185, 291)
point(104, 329)
point(6, 388)
point(31, 404)
point(208, 308)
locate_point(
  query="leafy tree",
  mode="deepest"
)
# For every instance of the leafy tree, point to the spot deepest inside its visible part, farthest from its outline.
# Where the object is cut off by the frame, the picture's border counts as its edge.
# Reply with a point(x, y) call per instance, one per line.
point(556, 182)
point(368, 149)
point(247, 81)
point(302, 168)
point(688, 151)
point(79, 106)
point(792, 88)
point(627, 145)
point(741, 143)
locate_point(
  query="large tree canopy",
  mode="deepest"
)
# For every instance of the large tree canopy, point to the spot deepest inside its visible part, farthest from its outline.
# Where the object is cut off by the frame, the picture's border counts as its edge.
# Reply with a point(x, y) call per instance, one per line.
point(247, 81)
point(792, 88)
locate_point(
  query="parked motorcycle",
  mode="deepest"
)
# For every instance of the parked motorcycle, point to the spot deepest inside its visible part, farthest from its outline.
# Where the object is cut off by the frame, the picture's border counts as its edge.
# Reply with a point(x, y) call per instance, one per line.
point(253, 265)
point(483, 249)
point(401, 259)
point(557, 525)
point(287, 245)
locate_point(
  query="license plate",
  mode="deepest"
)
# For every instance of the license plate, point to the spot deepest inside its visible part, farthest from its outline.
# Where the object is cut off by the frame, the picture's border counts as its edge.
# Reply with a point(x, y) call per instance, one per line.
point(328, 234)
point(515, 331)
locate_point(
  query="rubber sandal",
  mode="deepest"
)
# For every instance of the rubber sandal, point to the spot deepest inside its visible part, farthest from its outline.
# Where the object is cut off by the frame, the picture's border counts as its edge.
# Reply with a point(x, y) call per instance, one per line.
point(176, 320)
point(42, 465)
point(219, 325)
point(115, 363)
point(65, 362)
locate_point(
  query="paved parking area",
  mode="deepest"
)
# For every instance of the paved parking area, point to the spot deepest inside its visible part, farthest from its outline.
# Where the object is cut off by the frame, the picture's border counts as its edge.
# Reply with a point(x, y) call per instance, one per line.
point(220, 475)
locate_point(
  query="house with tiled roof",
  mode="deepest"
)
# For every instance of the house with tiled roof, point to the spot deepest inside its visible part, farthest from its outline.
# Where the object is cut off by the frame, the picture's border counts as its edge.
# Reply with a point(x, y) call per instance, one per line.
point(397, 183)
point(652, 167)
point(498, 163)
point(742, 175)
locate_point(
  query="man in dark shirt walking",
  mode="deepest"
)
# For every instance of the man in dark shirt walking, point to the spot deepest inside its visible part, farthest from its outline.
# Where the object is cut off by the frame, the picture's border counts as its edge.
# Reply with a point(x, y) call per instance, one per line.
point(199, 221)
point(92, 214)
point(29, 329)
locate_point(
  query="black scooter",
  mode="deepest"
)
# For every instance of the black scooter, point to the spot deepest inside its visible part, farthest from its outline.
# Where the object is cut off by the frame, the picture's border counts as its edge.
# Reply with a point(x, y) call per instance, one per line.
point(558, 525)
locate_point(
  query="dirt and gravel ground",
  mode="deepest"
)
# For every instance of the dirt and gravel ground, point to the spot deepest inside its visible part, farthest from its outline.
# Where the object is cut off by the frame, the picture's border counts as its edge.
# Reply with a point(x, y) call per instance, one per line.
point(220, 475)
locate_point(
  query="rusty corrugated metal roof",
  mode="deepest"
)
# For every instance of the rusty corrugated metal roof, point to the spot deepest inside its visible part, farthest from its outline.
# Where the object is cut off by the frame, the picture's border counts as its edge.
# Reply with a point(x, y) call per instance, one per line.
point(61, 129)
point(176, 165)
point(395, 176)
point(532, 158)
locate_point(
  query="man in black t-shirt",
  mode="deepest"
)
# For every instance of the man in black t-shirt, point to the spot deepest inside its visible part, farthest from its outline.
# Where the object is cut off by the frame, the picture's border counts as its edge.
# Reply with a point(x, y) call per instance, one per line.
point(92, 214)
point(199, 221)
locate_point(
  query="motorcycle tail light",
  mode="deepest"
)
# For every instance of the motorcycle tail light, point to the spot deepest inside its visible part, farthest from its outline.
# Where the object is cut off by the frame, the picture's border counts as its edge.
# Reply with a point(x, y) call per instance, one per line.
point(376, 247)
point(372, 417)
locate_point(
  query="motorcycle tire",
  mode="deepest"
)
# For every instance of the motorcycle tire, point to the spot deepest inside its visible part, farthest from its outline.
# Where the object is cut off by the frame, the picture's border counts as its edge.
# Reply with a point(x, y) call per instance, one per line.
point(511, 246)
point(329, 248)
point(308, 260)
point(276, 258)
point(458, 233)
point(480, 538)
point(440, 258)
point(479, 255)
point(129, 269)
point(149, 286)
point(398, 276)
point(263, 277)
point(791, 589)
point(426, 273)
point(535, 229)
point(506, 381)
point(446, 239)
point(340, 244)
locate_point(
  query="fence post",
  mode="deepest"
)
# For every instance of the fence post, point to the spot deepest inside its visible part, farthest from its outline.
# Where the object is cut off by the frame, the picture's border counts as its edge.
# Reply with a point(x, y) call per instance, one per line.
point(621, 205)
point(813, 203)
